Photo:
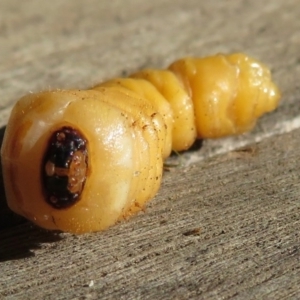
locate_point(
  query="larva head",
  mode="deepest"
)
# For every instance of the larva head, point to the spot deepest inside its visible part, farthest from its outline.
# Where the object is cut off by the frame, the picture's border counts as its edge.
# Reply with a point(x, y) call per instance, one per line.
point(69, 160)
point(65, 166)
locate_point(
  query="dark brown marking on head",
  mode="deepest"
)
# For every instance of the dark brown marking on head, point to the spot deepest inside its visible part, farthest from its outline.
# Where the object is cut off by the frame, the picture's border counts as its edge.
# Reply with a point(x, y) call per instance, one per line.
point(64, 169)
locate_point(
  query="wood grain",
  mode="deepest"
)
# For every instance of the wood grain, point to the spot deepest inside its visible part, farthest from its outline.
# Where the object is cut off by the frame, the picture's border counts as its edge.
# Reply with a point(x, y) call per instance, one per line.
point(225, 224)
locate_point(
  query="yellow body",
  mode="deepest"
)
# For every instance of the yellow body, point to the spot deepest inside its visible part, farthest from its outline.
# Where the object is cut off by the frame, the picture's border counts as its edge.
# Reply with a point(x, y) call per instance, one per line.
point(131, 125)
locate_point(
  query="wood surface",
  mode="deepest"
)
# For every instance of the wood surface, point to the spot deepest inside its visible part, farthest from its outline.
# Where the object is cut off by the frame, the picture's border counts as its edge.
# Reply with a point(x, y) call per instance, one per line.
point(226, 222)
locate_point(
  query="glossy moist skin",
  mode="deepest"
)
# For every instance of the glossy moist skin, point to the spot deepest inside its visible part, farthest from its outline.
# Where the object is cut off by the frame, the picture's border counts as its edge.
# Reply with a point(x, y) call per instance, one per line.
point(130, 126)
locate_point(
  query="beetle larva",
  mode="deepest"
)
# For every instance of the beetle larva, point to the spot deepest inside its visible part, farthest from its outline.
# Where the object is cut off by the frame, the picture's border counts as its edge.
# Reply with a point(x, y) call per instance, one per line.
point(80, 160)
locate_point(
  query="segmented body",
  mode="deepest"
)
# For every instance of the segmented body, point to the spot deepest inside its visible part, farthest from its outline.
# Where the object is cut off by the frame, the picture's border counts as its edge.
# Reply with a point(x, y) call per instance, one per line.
point(123, 129)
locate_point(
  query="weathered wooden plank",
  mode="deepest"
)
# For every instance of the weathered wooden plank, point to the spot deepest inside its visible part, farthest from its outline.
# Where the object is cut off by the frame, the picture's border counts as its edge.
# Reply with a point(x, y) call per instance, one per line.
point(222, 226)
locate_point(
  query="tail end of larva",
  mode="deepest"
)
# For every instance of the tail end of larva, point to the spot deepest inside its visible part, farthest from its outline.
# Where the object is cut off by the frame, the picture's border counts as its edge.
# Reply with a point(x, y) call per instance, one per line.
point(269, 98)
point(229, 92)
point(255, 85)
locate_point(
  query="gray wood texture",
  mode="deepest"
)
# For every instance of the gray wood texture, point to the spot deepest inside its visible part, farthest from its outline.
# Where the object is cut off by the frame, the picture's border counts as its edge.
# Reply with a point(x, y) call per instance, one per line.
point(225, 224)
